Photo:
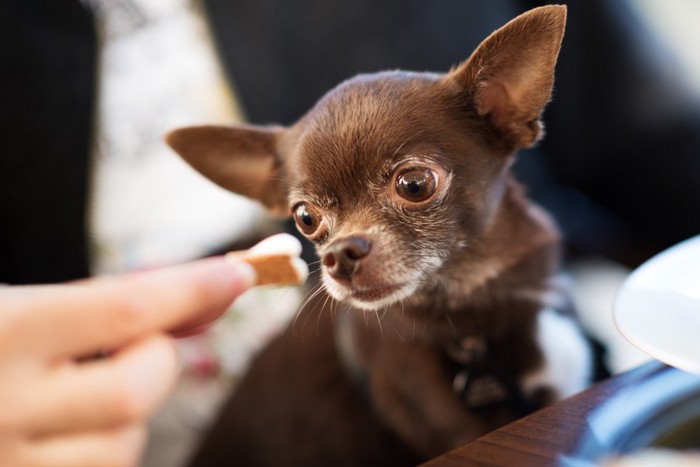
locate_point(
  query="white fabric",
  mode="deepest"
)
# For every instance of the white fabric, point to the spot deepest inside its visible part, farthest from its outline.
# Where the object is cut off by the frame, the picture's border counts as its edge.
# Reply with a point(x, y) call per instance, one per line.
point(158, 71)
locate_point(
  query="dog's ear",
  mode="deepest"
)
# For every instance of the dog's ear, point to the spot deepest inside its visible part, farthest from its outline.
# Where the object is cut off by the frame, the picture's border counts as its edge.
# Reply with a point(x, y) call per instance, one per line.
point(510, 75)
point(243, 159)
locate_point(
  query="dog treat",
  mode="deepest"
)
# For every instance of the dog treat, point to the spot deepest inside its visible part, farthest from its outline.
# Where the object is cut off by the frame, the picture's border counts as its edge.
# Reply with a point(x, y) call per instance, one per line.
point(276, 260)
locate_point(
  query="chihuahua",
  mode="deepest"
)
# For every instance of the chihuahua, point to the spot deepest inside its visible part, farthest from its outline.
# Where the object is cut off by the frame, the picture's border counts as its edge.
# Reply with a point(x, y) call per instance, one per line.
point(437, 318)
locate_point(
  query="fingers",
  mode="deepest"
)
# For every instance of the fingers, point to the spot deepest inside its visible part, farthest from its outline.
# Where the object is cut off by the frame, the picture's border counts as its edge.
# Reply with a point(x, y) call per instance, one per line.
point(73, 320)
point(109, 448)
point(121, 390)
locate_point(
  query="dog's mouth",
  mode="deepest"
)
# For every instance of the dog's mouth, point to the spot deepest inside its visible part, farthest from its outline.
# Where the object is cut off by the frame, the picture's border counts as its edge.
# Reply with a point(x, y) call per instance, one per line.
point(374, 294)
point(379, 297)
point(369, 298)
point(388, 277)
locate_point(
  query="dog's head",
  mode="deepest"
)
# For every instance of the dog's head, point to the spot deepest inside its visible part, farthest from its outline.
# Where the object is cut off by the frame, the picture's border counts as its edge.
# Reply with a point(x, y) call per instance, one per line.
point(394, 174)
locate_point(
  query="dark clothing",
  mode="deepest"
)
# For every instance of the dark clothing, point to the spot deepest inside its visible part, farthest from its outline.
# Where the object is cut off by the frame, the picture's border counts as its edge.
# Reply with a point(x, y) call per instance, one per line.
point(47, 88)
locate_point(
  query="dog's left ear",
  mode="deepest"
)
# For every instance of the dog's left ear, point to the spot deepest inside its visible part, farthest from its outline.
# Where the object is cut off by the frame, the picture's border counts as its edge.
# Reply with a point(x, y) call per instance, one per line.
point(510, 75)
point(244, 159)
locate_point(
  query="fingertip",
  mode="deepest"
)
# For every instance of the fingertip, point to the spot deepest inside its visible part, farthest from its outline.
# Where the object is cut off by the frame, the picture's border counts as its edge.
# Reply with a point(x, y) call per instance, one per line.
point(189, 295)
point(230, 274)
point(247, 275)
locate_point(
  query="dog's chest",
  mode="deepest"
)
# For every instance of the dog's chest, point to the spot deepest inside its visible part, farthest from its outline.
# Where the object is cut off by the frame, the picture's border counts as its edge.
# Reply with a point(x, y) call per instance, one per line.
point(465, 359)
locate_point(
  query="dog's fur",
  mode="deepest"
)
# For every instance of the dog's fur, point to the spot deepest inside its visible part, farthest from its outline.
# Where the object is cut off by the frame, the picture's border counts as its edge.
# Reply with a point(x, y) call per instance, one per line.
point(473, 260)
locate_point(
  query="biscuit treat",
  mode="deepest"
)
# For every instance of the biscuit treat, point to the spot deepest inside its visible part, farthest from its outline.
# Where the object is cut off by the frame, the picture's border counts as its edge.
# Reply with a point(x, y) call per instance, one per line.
point(275, 260)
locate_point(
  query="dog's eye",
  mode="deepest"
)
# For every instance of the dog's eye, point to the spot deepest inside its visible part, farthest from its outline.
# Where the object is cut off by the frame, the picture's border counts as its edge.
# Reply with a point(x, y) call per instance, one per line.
point(416, 184)
point(307, 218)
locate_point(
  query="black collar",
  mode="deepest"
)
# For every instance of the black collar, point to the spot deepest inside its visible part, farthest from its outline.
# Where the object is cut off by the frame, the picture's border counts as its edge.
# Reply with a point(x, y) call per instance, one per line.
point(481, 381)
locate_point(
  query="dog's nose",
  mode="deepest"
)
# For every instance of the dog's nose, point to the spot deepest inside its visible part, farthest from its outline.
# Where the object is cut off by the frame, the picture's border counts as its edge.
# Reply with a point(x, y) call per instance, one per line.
point(342, 258)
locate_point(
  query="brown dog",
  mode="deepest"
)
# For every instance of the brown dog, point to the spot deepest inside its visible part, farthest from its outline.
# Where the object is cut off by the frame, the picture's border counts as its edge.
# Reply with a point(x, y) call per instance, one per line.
point(403, 182)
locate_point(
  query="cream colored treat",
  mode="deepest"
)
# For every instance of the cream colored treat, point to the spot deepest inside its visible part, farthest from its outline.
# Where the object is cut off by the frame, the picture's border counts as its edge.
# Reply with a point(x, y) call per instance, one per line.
point(276, 260)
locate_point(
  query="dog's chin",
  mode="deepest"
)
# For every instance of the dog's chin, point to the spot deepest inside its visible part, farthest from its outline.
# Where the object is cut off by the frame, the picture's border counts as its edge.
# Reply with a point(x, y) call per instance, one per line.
point(371, 299)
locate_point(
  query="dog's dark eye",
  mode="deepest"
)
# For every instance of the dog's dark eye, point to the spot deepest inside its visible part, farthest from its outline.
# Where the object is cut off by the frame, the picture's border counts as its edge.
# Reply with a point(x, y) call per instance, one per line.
point(307, 218)
point(416, 184)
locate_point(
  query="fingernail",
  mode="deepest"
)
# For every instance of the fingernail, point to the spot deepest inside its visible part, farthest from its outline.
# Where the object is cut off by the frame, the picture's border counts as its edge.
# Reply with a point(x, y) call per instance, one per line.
point(247, 273)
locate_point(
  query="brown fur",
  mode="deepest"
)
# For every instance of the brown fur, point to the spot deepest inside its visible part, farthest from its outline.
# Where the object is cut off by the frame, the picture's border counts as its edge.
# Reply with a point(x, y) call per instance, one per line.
point(359, 389)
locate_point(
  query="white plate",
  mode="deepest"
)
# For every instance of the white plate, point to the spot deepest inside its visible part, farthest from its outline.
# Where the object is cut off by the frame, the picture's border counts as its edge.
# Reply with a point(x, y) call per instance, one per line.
point(658, 306)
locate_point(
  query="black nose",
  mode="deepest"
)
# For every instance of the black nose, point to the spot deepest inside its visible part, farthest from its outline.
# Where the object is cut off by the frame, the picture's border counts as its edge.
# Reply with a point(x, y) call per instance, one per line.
point(343, 256)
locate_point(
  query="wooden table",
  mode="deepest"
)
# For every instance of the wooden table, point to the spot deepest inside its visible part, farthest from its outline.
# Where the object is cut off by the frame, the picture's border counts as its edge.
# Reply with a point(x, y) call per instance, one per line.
point(544, 437)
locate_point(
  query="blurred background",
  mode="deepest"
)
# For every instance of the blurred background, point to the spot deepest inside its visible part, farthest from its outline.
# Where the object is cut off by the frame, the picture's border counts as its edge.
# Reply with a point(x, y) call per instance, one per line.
point(89, 87)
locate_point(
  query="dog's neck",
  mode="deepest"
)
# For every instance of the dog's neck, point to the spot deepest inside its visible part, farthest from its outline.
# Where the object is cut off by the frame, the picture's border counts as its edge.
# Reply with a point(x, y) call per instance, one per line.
point(472, 277)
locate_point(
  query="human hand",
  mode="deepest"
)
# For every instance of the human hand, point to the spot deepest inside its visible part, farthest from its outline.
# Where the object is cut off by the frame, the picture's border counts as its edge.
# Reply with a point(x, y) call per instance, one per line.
point(59, 408)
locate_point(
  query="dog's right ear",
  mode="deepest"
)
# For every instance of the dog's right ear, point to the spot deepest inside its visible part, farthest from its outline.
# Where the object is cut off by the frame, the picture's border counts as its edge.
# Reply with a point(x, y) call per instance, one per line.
point(243, 159)
point(510, 75)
